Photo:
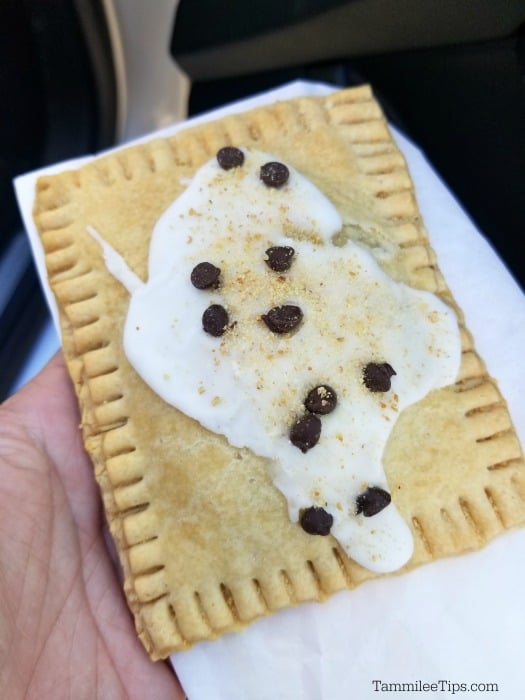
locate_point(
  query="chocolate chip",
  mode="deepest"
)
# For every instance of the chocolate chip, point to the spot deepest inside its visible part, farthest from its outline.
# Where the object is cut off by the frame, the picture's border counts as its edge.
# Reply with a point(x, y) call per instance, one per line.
point(230, 157)
point(282, 319)
point(376, 376)
point(279, 257)
point(215, 320)
point(305, 432)
point(205, 276)
point(372, 501)
point(321, 399)
point(316, 521)
point(274, 174)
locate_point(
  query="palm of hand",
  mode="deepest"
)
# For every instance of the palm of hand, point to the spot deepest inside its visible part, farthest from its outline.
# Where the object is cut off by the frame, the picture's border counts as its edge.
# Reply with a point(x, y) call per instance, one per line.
point(65, 630)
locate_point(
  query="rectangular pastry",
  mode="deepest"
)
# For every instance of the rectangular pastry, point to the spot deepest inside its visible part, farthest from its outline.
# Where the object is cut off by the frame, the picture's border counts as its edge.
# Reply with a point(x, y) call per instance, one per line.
point(267, 358)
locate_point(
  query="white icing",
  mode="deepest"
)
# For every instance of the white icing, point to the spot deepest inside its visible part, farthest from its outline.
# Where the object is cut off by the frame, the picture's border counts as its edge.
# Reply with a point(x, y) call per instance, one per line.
point(250, 384)
point(116, 264)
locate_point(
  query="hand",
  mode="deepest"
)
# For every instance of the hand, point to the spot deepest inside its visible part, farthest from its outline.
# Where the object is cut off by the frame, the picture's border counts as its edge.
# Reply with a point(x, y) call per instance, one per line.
point(65, 629)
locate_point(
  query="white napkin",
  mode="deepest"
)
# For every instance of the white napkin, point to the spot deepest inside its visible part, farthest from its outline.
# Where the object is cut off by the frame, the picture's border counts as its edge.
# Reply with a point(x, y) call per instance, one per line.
point(449, 628)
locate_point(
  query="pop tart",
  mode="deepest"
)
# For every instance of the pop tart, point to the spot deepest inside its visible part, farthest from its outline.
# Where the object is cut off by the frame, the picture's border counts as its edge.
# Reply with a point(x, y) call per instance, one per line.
point(277, 389)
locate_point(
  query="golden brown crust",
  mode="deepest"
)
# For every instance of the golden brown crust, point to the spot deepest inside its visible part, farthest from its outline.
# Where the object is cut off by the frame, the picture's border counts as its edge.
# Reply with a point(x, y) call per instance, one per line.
point(203, 536)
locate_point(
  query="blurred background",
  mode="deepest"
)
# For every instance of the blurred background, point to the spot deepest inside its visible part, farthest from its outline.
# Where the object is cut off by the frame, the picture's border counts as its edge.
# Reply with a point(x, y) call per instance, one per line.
point(79, 76)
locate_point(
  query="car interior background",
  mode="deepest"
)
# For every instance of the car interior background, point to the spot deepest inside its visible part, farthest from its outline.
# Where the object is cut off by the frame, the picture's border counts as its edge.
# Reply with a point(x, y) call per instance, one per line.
point(80, 76)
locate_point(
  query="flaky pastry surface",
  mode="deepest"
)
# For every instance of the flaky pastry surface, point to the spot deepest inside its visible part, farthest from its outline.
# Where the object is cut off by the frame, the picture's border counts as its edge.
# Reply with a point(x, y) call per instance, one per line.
point(203, 535)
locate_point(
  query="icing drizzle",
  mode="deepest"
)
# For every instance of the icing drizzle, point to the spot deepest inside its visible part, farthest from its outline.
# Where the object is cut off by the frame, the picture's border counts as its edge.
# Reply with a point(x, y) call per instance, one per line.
point(250, 383)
